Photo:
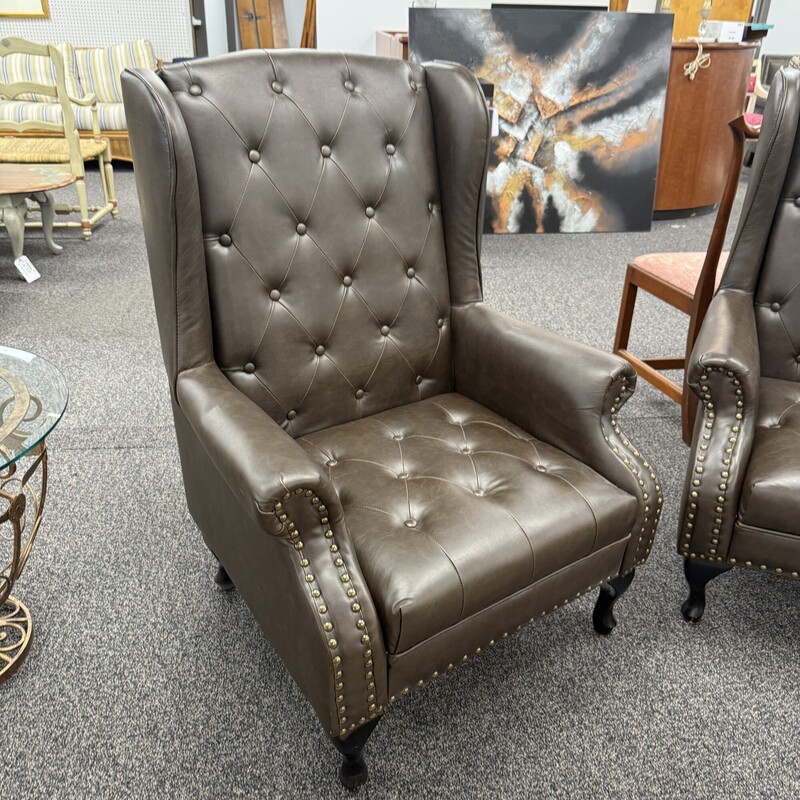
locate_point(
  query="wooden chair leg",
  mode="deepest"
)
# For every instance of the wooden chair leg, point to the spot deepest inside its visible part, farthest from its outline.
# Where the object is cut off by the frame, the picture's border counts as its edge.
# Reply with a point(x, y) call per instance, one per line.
point(625, 317)
point(688, 413)
point(83, 202)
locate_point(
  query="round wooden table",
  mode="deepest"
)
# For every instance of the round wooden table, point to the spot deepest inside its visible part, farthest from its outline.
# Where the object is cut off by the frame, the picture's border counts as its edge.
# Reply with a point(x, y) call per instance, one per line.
point(19, 181)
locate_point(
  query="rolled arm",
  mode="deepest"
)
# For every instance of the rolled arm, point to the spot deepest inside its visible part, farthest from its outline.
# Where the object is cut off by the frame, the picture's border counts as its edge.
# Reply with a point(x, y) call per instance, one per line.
point(724, 372)
point(258, 460)
point(562, 392)
point(312, 562)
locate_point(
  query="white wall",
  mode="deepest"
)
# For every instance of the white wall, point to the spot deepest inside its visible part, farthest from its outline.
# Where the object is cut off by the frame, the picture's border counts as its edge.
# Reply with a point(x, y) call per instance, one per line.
point(350, 25)
point(216, 27)
point(784, 38)
point(295, 16)
point(104, 22)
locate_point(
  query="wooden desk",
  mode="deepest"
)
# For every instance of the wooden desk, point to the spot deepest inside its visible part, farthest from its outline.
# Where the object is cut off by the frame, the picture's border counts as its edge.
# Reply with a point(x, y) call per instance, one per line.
point(18, 181)
point(696, 143)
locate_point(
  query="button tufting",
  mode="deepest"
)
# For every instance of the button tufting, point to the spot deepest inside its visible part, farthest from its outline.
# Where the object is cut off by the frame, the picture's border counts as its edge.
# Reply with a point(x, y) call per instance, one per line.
point(797, 359)
point(390, 149)
point(249, 367)
point(540, 468)
point(332, 463)
point(274, 295)
point(301, 228)
point(398, 437)
point(277, 87)
point(385, 330)
point(369, 211)
point(776, 306)
point(430, 207)
point(411, 272)
point(254, 156)
point(479, 493)
point(320, 351)
point(325, 150)
point(291, 414)
point(797, 201)
point(349, 85)
point(440, 323)
point(410, 523)
point(347, 280)
point(359, 394)
point(195, 90)
point(403, 476)
point(413, 85)
point(466, 450)
point(418, 380)
point(225, 240)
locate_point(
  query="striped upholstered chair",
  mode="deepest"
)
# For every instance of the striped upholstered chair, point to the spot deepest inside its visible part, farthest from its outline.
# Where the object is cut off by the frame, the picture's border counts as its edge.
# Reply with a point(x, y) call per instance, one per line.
point(39, 75)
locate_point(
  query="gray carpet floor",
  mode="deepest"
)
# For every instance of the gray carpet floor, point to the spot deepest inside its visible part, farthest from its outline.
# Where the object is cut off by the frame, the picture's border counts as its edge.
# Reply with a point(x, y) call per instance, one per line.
point(144, 681)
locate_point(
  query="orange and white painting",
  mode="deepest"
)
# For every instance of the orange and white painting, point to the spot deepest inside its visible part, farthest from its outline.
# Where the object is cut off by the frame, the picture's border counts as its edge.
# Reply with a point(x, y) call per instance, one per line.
point(578, 99)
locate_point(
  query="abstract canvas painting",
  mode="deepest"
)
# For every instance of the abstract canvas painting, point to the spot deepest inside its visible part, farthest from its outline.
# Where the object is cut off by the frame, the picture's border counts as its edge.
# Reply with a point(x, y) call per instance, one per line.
point(578, 98)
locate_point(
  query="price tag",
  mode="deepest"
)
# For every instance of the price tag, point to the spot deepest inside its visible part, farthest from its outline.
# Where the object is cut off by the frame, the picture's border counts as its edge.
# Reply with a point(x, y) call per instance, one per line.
point(26, 269)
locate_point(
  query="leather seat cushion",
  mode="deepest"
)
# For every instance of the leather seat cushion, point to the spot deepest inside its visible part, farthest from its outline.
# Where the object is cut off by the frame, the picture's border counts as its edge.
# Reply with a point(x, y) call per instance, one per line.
point(771, 492)
point(451, 508)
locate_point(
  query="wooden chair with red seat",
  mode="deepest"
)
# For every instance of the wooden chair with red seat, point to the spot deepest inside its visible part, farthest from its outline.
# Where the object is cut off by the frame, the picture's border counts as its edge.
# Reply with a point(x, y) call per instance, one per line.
point(686, 281)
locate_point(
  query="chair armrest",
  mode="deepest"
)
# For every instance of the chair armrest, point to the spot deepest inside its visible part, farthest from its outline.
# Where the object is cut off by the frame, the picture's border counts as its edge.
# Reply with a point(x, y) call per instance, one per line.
point(86, 100)
point(724, 372)
point(258, 460)
point(308, 555)
point(562, 392)
point(89, 100)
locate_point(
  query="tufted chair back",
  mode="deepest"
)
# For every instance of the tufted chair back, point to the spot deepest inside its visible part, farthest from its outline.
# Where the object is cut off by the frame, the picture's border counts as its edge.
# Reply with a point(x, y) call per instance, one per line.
point(319, 185)
point(764, 260)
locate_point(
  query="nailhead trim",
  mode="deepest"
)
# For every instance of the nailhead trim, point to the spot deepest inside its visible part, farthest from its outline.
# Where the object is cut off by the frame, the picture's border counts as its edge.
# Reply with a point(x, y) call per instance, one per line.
point(633, 462)
point(780, 571)
point(322, 608)
point(492, 642)
point(709, 421)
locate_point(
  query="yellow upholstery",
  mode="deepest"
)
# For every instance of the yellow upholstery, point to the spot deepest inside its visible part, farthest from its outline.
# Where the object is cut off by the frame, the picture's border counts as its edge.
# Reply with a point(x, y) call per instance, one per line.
point(17, 150)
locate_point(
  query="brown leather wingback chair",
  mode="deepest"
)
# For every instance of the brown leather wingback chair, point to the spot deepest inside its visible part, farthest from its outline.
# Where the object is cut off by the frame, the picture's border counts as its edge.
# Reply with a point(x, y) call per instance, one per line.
point(394, 475)
point(741, 502)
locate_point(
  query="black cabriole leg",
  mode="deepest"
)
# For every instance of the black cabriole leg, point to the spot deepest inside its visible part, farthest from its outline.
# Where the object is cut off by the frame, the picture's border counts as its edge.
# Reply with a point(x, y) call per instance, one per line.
point(354, 771)
point(222, 579)
point(603, 616)
point(698, 574)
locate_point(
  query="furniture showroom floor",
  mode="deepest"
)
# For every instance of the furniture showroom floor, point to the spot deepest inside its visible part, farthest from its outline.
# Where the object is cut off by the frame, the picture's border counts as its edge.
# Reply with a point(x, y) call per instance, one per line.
point(145, 681)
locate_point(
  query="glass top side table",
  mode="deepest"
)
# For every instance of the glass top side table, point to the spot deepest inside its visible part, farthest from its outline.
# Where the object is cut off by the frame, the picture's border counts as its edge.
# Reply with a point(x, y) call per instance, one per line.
point(33, 397)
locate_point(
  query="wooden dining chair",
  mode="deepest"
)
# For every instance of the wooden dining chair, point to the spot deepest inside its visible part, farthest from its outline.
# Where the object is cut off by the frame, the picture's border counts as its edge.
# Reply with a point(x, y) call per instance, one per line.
point(686, 281)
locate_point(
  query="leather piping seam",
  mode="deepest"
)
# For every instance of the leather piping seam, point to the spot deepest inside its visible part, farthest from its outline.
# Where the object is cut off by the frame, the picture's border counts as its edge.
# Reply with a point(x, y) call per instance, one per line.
point(373, 709)
point(648, 527)
point(770, 147)
point(492, 642)
point(710, 417)
point(513, 595)
point(173, 187)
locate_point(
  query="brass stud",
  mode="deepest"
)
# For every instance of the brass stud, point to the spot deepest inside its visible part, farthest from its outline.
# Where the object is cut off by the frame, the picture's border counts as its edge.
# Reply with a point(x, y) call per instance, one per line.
point(351, 592)
point(327, 627)
point(356, 607)
point(303, 562)
point(316, 593)
point(323, 609)
point(361, 624)
point(332, 643)
point(309, 578)
point(336, 661)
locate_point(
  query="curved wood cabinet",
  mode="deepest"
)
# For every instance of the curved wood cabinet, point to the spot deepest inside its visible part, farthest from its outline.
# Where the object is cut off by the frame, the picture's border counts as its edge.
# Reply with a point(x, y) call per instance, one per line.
point(696, 143)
